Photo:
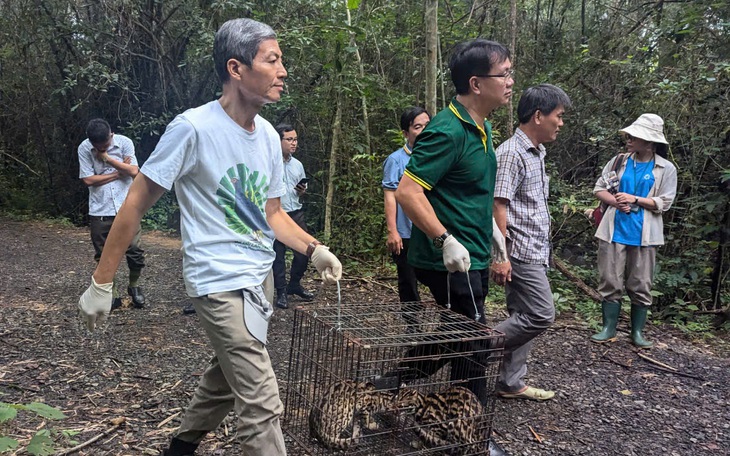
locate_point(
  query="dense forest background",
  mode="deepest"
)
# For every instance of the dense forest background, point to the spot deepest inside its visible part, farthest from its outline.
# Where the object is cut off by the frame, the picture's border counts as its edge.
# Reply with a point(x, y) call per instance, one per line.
point(353, 66)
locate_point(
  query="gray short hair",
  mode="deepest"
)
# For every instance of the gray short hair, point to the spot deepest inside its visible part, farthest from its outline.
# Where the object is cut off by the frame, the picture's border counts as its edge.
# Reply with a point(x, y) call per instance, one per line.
point(544, 97)
point(238, 39)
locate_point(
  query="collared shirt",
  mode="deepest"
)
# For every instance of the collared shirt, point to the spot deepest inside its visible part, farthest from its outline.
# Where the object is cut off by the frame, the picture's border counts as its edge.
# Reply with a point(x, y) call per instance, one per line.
point(293, 173)
point(393, 169)
point(105, 200)
point(453, 160)
point(521, 179)
point(662, 192)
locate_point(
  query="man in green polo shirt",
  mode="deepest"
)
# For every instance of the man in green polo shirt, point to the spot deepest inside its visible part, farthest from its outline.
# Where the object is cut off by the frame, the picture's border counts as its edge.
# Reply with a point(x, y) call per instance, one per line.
point(448, 190)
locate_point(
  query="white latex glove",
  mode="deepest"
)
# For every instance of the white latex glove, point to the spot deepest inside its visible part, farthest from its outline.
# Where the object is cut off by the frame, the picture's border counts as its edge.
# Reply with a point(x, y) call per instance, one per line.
point(327, 264)
point(499, 247)
point(95, 304)
point(456, 257)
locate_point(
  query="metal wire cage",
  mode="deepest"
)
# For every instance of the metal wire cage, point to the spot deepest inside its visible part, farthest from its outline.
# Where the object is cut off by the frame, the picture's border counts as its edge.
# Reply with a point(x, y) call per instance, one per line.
point(391, 379)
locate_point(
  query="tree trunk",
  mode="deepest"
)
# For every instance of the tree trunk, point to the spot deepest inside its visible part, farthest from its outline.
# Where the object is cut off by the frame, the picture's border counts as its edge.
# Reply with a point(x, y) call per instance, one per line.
point(537, 32)
point(718, 271)
point(363, 99)
point(443, 81)
point(431, 31)
point(336, 133)
point(512, 50)
point(583, 38)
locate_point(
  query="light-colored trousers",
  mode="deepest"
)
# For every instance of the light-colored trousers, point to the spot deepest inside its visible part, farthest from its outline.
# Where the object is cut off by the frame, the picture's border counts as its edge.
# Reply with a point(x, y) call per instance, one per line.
point(531, 312)
point(627, 266)
point(239, 377)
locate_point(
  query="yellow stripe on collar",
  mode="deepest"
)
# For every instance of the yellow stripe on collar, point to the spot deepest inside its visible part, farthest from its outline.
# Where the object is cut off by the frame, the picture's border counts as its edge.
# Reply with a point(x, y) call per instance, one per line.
point(482, 133)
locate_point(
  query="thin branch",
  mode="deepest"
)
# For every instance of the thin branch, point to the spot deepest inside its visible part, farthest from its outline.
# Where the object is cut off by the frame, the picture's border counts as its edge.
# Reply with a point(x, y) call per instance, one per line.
point(22, 163)
point(560, 266)
point(90, 441)
point(658, 363)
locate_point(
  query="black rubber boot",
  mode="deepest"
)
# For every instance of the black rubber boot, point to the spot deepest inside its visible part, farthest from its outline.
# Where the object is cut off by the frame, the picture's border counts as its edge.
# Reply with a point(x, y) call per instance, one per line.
point(281, 302)
point(180, 448)
point(296, 289)
point(138, 299)
point(638, 320)
point(610, 311)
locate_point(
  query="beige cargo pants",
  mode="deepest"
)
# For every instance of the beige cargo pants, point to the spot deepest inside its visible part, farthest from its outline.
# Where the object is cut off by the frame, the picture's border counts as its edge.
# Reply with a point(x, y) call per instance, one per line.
point(240, 376)
point(624, 266)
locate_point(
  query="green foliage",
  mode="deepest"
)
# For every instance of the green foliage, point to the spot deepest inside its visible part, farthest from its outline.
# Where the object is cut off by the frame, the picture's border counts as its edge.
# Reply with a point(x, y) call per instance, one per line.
point(7, 444)
point(41, 444)
point(163, 215)
point(672, 59)
point(7, 412)
point(45, 411)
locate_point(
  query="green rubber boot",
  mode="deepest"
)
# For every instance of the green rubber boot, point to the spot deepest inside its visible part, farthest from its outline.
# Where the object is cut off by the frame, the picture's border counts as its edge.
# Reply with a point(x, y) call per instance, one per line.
point(610, 311)
point(638, 320)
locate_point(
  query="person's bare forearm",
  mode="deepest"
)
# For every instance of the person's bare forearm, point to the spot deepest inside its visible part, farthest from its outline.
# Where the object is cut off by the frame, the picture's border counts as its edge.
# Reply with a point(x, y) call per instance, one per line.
point(142, 195)
point(123, 168)
point(100, 179)
point(391, 209)
point(607, 198)
point(285, 229)
point(412, 199)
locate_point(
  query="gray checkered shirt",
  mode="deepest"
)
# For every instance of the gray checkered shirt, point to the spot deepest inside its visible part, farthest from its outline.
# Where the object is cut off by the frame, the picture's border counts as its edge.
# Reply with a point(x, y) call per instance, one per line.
point(521, 179)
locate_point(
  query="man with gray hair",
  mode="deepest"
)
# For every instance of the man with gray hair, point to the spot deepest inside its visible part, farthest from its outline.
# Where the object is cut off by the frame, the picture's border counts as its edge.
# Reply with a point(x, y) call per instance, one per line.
point(225, 162)
point(521, 212)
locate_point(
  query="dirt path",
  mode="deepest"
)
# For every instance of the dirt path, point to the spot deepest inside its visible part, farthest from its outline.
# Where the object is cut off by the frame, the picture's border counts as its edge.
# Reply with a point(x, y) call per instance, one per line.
point(145, 365)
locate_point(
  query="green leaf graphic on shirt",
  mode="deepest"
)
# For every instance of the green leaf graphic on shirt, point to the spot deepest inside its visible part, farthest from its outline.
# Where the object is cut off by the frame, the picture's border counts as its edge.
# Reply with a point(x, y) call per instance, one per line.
point(242, 196)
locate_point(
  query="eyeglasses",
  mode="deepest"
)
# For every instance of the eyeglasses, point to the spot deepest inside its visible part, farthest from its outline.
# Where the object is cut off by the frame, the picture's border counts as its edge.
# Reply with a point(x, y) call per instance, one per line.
point(291, 139)
point(509, 74)
point(628, 137)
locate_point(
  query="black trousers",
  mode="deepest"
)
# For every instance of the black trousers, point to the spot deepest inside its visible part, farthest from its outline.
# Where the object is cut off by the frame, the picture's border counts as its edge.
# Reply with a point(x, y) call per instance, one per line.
point(99, 228)
point(407, 283)
point(298, 264)
point(425, 360)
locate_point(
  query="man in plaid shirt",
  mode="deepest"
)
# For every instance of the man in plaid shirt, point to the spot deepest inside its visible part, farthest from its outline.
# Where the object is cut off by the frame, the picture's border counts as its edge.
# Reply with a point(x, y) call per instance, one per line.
point(521, 212)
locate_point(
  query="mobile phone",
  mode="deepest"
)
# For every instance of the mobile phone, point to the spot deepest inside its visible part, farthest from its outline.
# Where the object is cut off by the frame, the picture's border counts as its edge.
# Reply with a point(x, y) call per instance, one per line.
point(303, 182)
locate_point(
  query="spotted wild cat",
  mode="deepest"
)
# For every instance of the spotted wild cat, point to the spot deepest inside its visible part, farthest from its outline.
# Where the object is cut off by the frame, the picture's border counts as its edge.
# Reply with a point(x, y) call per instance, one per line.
point(335, 421)
point(449, 418)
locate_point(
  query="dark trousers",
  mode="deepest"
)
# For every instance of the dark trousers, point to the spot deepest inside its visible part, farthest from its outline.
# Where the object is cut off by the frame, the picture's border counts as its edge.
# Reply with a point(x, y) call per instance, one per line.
point(407, 283)
point(425, 360)
point(298, 264)
point(100, 226)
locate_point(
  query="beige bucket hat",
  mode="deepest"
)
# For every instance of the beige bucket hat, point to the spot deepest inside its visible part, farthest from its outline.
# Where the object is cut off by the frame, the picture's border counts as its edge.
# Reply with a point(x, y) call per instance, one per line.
point(649, 127)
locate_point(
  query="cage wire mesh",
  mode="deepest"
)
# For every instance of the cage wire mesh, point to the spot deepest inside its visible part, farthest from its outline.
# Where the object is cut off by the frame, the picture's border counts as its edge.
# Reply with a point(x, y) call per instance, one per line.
point(391, 379)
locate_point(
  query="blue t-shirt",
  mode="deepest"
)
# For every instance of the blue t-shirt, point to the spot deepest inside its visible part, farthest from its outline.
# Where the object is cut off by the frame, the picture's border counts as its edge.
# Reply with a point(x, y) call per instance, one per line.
point(393, 169)
point(637, 180)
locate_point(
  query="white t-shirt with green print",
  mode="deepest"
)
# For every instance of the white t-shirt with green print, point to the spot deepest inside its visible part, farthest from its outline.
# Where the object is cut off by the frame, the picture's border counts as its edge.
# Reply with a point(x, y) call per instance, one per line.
point(223, 176)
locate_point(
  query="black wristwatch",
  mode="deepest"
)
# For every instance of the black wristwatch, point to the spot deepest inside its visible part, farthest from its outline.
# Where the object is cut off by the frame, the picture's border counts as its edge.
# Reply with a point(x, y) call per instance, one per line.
point(438, 242)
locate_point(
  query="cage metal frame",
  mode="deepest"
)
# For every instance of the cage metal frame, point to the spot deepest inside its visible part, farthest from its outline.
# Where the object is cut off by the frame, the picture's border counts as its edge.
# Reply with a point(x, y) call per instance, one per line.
point(366, 341)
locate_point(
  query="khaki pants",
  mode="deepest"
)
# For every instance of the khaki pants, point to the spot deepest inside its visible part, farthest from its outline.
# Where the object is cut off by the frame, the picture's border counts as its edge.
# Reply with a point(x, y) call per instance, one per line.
point(620, 265)
point(240, 376)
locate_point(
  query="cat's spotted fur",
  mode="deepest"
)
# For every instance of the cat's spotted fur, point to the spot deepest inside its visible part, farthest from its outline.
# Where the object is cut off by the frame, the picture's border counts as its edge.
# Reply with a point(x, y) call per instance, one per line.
point(449, 418)
point(335, 420)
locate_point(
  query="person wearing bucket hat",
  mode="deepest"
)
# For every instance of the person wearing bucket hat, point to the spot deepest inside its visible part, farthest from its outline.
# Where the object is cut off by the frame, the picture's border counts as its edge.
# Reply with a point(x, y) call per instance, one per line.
point(632, 226)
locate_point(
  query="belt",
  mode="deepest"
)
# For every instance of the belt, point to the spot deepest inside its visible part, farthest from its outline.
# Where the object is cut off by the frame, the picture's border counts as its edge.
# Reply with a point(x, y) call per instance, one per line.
point(102, 218)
